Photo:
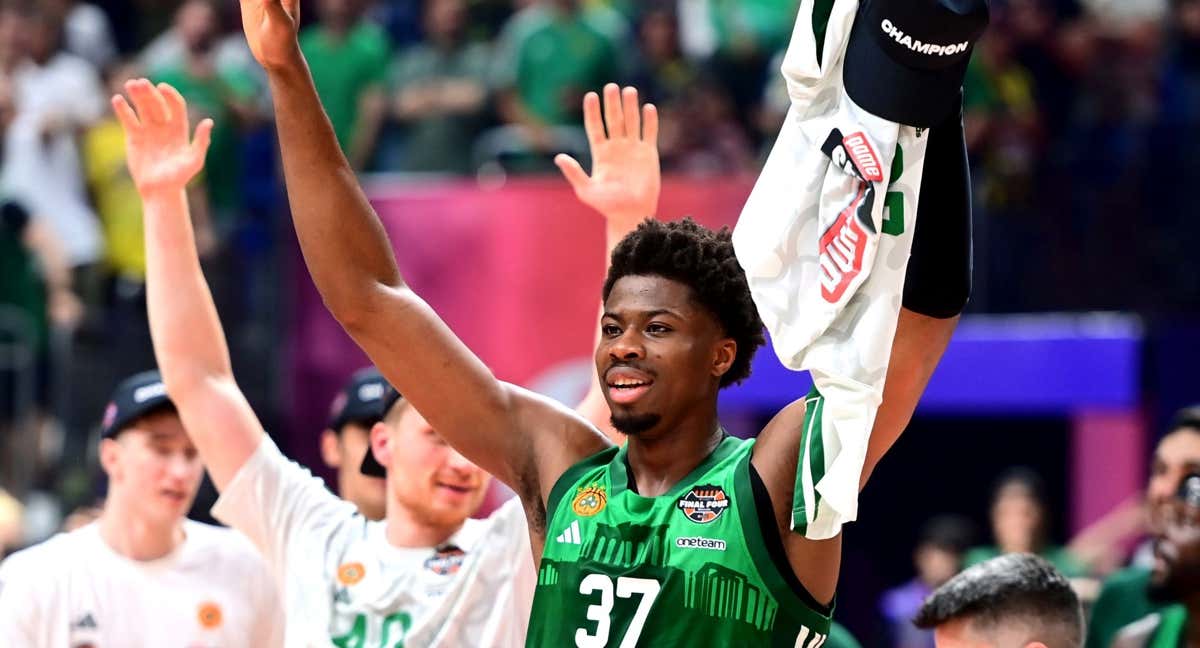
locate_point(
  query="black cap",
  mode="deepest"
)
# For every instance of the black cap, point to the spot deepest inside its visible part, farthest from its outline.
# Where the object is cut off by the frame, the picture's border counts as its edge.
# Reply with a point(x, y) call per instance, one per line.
point(370, 465)
point(137, 396)
point(360, 400)
point(906, 59)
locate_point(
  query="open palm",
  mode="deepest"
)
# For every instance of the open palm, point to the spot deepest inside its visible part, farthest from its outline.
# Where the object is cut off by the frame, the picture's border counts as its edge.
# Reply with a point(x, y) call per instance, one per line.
point(626, 179)
point(160, 153)
point(270, 27)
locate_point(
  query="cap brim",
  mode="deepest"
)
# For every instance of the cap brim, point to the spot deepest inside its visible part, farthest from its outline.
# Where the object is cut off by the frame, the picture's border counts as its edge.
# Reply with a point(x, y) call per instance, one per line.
point(149, 407)
point(894, 91)
point(371, 466)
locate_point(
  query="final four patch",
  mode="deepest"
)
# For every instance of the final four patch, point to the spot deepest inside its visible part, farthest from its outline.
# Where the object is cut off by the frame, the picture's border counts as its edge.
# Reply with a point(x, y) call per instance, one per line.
point(446, 560)
point(589, 501)
point(703, 504)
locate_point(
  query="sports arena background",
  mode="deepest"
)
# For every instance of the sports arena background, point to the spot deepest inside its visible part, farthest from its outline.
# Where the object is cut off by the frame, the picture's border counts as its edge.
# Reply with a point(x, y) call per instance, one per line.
point(1082, 120)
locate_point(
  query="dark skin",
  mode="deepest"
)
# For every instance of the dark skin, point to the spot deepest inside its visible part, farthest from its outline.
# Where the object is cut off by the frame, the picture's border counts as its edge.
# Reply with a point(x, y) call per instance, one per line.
point(1176, 570)
point(525, 440)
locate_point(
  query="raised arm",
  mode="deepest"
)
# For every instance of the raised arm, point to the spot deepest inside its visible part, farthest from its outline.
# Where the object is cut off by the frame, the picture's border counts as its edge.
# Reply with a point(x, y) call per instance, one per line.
point(525, 440)
point(189, 344)
point(624, 187)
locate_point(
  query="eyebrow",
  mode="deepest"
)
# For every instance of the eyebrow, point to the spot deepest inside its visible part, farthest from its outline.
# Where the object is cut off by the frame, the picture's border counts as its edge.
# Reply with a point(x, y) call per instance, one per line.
point(648, 314)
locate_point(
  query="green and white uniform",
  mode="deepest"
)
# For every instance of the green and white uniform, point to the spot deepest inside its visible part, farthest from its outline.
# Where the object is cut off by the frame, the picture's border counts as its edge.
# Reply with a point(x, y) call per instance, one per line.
point(691, 567)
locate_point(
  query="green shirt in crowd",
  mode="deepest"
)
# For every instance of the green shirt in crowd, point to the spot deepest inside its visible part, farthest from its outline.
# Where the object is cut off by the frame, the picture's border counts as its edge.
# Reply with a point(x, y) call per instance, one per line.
point(1122, 600)
point(344, 68)
point(21, 286)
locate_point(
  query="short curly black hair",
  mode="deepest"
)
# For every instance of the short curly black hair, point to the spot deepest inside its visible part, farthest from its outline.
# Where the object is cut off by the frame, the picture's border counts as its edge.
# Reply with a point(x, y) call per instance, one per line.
point(703, 260)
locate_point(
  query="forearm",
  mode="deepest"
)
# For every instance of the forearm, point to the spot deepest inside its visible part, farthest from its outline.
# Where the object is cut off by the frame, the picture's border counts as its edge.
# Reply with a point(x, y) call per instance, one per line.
point(343, 243)
point(186, 332)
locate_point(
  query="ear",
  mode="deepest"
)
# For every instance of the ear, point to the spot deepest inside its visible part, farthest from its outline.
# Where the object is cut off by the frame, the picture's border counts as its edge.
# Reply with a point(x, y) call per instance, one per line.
point(381, 444)
point(110, 458)
point(331, 448)
point(724, 355)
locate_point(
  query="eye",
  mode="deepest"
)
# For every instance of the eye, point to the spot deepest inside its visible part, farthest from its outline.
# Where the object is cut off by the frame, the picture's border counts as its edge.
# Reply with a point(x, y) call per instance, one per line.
point(610, 330)
point(657, 328)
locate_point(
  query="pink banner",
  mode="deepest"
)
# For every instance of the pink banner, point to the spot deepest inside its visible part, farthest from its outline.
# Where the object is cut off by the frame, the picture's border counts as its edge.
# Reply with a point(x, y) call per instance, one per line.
point(516, 271)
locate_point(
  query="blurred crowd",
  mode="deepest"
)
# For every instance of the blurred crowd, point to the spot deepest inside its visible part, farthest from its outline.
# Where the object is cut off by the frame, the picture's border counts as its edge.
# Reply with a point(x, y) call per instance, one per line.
point(1081, 117)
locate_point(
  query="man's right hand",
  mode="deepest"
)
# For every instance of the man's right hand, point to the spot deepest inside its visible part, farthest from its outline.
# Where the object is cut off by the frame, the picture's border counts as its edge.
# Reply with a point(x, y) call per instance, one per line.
point(626, 178)
point(270, 27)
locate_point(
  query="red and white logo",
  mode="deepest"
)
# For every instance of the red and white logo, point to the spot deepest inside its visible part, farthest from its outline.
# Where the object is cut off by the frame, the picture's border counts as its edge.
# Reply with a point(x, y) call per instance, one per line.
point(864, 156)
point(842, 248)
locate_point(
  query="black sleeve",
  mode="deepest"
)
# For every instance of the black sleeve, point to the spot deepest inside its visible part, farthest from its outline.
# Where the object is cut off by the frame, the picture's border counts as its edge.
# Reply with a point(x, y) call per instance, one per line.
point(938, 283)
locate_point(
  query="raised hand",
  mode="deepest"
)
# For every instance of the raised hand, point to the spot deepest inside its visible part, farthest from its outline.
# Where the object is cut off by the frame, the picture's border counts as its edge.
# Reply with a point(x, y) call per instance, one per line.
point(626, 178)
point(160, 156)
point(270, 27)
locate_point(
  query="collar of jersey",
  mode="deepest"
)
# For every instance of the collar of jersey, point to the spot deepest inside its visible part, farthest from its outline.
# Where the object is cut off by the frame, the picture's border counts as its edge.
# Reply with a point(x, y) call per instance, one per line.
point(619, 477)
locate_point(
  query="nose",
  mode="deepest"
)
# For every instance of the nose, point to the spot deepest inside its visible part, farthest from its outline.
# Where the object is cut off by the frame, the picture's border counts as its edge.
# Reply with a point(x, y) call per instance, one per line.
point(627, 347)
point(459, 463)
point(179, 466)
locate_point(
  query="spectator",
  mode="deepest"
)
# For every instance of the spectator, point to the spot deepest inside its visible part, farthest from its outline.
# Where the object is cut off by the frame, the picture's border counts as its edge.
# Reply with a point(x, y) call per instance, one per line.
point(701, 133)
point(116, 197)
point(439, 92)
point(1175, 580)
point(226, 93)
point(348, 60)
point(1019, 520)
point(87, 32)
point(55, 95)
point(551, 53)
point(1125, 595)
point(937, 558)
point(35, 294)
point(1016, 600)
point(661, 72)
point(747, 34)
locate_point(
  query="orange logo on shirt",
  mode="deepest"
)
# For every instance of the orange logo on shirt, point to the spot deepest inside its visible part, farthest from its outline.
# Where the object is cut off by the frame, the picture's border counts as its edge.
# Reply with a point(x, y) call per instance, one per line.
point(589, 501)
point(209, 615)
point(351, 573)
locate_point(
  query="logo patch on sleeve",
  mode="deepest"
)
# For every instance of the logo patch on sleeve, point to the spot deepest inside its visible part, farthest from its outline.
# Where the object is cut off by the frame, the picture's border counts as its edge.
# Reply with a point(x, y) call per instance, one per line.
point(209, 615)
point(446, 560)
point(589, 501)
point(703, 504)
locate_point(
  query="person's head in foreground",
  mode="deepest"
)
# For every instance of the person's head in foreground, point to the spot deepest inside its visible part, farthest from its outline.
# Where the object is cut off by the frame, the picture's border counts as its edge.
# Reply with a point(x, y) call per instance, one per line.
point(679, 324)
point(429, 484)
point(1012, 601)
point(344, 441)
point(153, 468)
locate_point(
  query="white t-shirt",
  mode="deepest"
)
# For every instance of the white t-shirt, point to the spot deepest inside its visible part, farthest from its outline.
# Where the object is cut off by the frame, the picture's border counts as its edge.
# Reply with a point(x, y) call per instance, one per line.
point(46, 174)
point(213, 591)
point(343, 581)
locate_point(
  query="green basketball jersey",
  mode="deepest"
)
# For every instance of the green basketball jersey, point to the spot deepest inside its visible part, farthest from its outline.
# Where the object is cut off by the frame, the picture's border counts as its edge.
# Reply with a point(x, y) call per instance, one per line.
point(688, 568)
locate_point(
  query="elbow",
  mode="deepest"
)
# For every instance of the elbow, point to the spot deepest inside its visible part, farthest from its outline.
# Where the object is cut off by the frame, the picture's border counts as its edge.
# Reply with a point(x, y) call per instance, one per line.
point(358, 311)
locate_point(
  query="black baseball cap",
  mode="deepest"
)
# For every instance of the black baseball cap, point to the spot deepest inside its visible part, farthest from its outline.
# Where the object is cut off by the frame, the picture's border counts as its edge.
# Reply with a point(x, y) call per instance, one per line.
point(137, 396)
point(360, 400)
point(370, 465)
point(906, 59)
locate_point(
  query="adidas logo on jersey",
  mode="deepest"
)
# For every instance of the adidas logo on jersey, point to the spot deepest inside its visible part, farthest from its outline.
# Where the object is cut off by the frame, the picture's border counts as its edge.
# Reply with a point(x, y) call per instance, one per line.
point(571, 535)
point(85, 622)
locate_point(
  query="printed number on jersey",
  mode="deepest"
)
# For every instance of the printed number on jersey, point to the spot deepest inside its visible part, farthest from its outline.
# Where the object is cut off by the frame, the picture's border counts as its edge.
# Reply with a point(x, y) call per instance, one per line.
point(645, 589)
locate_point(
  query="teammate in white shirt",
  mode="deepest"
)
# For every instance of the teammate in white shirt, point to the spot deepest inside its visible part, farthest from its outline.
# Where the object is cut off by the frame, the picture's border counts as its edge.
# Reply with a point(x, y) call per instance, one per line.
point(142, 575)
point(427, 575)
point(356, 409)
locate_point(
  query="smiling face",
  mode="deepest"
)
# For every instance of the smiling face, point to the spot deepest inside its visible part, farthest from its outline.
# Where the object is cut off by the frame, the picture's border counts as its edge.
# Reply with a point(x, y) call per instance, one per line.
point(661, 355)
point(427, 477)
point(153, 468)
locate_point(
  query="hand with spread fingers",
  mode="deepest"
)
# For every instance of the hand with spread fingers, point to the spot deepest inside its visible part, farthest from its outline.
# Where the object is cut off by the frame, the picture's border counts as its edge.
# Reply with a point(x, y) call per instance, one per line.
point(626, 179)
point(270, 27)
point(162, 156)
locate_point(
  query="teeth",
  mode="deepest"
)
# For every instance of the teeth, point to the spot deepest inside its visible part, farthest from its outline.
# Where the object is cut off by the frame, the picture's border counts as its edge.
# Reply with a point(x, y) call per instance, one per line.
point(628, 383)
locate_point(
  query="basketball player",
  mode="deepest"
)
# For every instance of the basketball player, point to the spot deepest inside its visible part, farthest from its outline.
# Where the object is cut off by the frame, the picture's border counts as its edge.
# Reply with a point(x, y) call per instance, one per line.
point(427, 575)
point(142, 575)
point(344, 441)
point(682, 536)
